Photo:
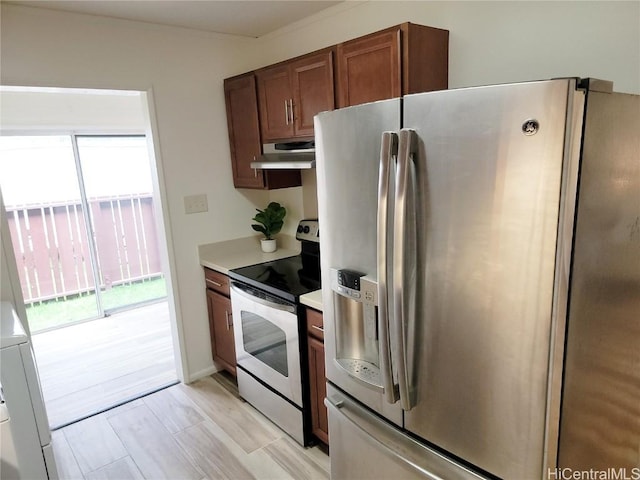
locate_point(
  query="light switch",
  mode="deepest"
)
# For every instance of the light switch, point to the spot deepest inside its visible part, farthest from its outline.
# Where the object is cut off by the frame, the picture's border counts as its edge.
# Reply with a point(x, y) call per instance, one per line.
point(195, 204)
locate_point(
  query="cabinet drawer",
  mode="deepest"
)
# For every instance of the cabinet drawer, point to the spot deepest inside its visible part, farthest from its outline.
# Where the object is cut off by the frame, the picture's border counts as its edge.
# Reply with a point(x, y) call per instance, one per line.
point(217, 281)
point(315, 326)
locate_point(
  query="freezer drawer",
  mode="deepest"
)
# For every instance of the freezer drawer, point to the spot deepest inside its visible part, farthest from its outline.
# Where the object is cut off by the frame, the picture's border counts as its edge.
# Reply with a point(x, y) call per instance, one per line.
point(374, 448)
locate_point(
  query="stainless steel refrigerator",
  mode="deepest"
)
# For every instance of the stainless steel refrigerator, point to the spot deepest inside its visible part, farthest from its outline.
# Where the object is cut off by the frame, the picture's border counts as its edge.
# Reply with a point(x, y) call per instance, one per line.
point(480, 256)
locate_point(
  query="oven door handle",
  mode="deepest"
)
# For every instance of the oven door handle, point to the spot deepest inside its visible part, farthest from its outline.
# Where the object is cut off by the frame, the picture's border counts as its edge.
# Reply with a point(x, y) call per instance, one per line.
point(263, 301)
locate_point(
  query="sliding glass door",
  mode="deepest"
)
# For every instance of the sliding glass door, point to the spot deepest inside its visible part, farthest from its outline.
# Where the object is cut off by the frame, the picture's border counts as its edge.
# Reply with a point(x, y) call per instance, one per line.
point(81, 219)
point(117, 182)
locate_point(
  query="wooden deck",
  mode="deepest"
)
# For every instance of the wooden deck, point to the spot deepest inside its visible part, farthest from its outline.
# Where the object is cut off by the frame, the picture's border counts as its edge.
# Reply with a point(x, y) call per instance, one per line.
point(88, 368)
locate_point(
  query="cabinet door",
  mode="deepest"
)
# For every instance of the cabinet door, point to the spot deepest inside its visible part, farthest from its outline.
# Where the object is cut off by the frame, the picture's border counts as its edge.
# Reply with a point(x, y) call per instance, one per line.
point(315, 324)
point(221, 329)
point(244, 130)
point(276, 103)
point(369, 68)
point(312, 79)
point(318, 383)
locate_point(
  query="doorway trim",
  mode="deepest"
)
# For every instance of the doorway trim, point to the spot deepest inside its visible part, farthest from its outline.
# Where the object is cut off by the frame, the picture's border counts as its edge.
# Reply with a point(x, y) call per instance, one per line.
point(163, 222)
point(162, 217)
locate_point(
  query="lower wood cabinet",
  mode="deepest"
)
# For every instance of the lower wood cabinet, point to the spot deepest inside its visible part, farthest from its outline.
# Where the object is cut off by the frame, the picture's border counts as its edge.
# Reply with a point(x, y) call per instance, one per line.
point(317, 377)
point(220, 320)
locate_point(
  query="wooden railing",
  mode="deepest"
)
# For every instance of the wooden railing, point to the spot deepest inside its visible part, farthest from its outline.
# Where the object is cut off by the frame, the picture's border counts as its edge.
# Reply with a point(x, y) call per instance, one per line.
point(52, 252)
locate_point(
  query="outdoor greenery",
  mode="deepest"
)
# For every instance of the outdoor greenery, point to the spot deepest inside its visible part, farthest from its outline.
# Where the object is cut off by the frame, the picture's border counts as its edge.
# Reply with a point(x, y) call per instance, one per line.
point(54, 313)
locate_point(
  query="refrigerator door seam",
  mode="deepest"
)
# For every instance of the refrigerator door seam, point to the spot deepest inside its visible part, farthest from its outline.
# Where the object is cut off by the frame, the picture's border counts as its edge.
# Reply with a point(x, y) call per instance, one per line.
point(564, 254)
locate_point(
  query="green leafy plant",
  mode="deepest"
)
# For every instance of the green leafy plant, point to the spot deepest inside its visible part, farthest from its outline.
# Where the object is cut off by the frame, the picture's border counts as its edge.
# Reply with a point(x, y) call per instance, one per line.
point(270, 220)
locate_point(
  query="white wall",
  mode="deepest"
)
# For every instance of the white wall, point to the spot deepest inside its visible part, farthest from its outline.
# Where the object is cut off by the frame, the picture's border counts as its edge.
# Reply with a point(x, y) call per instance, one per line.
point(184, 69)
point(491, 42)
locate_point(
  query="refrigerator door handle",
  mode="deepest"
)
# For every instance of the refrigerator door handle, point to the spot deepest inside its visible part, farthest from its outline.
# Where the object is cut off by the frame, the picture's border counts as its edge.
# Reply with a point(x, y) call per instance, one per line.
point(401, 288)
point(386, 445)
point(388, 152)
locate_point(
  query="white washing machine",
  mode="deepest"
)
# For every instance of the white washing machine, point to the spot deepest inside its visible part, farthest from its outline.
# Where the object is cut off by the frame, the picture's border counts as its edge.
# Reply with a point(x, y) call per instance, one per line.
point(26, 439)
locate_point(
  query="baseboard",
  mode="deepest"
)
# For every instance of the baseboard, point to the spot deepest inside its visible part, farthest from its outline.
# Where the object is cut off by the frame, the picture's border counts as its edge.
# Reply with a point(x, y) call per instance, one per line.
point(205, 372)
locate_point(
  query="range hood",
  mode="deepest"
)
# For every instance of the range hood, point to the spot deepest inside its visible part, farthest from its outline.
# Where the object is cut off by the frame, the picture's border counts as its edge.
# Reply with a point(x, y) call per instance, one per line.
point(294, 155)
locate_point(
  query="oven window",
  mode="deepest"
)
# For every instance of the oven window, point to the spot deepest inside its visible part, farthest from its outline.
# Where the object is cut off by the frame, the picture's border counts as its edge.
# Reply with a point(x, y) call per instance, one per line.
point(265, 341)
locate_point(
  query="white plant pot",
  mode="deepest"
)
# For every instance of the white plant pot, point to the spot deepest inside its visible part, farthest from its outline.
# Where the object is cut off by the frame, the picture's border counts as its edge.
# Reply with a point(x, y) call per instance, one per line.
point(268, 246)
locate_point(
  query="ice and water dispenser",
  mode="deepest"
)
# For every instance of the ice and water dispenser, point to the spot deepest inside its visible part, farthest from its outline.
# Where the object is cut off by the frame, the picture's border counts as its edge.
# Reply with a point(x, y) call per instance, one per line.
point(356, 326)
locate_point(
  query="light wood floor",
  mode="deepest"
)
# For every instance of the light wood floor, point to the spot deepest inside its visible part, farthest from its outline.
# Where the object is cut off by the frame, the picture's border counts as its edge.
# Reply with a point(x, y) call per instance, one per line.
point(197, 431)
point(95, 365)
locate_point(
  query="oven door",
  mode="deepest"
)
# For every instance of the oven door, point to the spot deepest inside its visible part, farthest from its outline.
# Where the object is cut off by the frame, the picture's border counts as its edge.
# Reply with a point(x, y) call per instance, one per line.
point(266, 337)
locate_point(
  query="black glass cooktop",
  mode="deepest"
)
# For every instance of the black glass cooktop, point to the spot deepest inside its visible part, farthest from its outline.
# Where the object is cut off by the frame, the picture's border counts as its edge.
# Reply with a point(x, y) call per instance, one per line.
point(284, 278)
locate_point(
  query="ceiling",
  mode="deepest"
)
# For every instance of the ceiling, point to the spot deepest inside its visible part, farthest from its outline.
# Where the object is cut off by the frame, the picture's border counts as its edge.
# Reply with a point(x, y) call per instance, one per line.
point(250, 18)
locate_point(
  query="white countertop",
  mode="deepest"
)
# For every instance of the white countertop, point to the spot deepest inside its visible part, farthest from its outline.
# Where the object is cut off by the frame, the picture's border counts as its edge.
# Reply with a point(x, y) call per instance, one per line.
point(313, 299)
point(242, 252)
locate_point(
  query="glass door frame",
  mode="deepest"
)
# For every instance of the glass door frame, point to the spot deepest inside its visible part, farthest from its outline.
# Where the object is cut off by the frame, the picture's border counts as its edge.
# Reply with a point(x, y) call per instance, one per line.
point(91, 227)
point(90, 230)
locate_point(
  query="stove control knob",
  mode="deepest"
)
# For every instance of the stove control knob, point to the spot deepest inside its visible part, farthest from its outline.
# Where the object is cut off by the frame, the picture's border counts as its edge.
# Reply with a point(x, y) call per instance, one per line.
point(300, 228)
point(306, 229)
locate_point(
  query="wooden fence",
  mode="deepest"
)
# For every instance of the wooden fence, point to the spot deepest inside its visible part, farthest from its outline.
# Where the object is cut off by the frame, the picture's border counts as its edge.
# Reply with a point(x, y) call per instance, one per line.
point(52, 252)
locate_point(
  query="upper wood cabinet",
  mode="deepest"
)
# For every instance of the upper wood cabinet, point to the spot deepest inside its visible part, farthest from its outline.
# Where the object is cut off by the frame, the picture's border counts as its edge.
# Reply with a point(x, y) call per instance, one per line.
point(276, 98)
point(400, 60)
point(244, 138)
point(291, 93)
point(313, 91)
point(277, 103)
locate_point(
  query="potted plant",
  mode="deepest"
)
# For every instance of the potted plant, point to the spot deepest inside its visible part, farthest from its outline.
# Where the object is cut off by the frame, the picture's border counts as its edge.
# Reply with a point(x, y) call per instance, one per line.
point(270, 221)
